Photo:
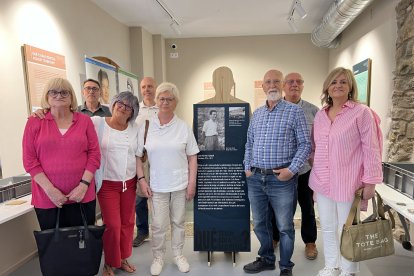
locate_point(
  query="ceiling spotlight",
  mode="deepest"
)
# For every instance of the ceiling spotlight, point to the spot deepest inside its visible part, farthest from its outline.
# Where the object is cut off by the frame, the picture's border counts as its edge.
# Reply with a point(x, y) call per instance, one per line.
point(176, 28)
point(299, 9)
point(292, 24)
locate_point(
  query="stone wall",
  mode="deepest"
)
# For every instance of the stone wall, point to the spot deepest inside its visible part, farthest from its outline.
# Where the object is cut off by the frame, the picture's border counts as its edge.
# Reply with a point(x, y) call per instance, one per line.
point(401, 134)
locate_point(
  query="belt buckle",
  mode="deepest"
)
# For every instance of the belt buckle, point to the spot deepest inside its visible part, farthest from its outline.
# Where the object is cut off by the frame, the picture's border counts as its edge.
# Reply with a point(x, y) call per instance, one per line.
point(263, 171)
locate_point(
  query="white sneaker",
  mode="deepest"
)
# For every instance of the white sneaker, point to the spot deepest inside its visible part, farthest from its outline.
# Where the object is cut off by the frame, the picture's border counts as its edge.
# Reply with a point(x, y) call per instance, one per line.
point(182, 263)
point(156, 266)
point(329, 271)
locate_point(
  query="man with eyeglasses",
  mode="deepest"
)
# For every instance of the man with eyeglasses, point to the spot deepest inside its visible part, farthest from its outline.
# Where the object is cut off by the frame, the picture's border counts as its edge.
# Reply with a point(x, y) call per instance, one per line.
point(91, 93)
point(293, 88)
point(278, 144)
point(147, 110)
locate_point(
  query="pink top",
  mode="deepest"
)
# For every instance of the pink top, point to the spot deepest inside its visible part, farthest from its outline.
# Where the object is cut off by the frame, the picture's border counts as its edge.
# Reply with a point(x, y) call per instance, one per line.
point(62, 158)
point(347, 152)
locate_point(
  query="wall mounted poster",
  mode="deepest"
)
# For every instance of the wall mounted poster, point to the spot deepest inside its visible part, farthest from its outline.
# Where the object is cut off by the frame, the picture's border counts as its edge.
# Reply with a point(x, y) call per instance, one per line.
point(106, 75)
point(362, 73)
point(221, 206)
point(40, 67)
point(128, 82)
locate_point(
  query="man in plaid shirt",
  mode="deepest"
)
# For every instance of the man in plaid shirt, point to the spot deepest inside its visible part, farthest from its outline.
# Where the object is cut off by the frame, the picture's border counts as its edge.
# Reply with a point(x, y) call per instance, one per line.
point(277, 146)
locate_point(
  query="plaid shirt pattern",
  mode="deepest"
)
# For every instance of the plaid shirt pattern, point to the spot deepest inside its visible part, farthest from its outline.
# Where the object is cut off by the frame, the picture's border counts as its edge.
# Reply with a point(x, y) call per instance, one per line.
point(277, 137)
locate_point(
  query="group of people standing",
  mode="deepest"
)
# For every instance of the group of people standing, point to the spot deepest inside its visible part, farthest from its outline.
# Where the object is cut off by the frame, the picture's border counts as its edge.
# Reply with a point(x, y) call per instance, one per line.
point(74, 159)
point(294, 153)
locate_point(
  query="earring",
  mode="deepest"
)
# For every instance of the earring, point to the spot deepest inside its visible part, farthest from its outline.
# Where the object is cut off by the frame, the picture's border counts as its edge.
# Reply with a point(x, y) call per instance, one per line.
point(329, 99)
point(349, 96)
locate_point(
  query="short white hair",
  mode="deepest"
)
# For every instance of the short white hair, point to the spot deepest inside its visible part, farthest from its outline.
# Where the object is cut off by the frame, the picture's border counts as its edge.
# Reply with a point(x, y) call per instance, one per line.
point(168, 87)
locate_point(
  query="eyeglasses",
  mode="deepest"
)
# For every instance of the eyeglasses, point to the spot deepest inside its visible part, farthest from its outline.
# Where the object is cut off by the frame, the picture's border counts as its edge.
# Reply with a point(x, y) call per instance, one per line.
point(270, 82)
point(54, 93)
point(291, 82)
point(124, 106)
point(91, 89)
point(166, 100)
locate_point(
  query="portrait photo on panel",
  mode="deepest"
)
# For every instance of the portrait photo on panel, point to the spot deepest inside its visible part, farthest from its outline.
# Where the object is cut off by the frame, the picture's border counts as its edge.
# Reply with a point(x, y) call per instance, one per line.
point(211, 128)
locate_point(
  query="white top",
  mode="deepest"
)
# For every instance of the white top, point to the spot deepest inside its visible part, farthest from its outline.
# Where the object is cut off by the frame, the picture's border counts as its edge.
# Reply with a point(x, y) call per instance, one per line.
point(118, 150)
point(146, 113)
point(210, 128)
point(168, 147)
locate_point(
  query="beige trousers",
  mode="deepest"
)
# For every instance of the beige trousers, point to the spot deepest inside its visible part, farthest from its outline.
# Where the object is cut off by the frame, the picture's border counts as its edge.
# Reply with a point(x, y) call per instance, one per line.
point(168, 209)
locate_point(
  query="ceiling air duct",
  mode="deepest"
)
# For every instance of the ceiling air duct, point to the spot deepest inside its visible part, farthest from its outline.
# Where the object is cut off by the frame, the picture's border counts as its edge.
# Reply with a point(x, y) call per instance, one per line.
point(340, 14)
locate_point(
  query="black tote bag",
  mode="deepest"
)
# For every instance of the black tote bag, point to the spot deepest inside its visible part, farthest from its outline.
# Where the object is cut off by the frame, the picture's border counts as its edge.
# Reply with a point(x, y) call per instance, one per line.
point(71, 251)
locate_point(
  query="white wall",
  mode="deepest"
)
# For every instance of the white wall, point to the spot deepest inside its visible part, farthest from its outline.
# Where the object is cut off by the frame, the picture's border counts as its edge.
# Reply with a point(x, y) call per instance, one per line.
point(372, 35)
point(248, 58)
point(71, 28)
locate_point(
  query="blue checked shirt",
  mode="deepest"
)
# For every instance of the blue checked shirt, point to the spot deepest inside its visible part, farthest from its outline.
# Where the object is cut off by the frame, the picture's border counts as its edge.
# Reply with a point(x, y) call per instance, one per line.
point(277, 137)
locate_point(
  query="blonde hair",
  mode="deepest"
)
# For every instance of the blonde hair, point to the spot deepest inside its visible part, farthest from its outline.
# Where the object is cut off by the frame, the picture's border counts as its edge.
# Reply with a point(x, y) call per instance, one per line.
point(58, 84)
point(168, 87)
point(353, 89)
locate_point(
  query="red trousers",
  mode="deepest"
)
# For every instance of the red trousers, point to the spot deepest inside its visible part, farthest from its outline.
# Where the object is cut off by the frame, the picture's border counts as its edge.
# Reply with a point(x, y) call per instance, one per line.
point(118, 212)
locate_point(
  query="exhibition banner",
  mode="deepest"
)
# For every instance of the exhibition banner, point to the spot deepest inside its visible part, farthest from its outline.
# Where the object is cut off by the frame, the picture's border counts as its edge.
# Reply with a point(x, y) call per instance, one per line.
point(221, 206)
point(106, 74)
point(40, 66)
point(128, 82)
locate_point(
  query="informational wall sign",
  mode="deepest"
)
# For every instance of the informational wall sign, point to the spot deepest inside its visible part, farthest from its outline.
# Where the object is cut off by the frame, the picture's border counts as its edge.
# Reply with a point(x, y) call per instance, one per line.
point(362, 73)
point(221, 206)
point(40, 67)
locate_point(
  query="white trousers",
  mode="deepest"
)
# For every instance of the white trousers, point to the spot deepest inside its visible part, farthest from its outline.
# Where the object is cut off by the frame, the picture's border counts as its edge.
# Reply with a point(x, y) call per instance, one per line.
point(333, 216)
point(168, 208)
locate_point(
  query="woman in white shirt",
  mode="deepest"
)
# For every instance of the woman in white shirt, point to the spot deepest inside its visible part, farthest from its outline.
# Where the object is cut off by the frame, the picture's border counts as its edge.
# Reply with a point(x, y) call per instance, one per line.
point(118, 140)
point(172, 155)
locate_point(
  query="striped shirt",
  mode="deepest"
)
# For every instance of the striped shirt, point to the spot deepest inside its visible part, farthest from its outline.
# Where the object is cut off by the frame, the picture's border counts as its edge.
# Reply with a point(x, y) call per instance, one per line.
point(347, 152)
point(277, 137)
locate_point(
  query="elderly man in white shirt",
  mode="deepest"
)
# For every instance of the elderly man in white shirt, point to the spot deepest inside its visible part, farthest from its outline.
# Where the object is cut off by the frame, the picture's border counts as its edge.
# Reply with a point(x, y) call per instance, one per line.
point(147, 110)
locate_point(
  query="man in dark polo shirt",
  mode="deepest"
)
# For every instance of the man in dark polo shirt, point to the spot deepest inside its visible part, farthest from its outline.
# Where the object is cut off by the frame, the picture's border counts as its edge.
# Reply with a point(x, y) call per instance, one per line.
point(91, 93)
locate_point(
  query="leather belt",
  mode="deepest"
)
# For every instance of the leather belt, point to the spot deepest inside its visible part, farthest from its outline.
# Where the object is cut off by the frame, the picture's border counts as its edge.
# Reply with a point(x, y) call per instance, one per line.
point(267, 171)
point(261, 171)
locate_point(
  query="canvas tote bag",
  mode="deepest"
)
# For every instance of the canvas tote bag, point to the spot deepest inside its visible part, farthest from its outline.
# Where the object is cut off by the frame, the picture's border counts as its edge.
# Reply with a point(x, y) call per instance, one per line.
point(371, 238)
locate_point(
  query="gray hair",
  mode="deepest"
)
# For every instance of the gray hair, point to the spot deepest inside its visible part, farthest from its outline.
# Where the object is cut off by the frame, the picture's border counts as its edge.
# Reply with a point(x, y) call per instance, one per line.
point(129, 98)
point(168, 87)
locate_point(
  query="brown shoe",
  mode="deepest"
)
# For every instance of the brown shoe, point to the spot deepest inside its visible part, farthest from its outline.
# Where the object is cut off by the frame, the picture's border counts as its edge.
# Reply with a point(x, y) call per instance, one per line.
point(310, 251)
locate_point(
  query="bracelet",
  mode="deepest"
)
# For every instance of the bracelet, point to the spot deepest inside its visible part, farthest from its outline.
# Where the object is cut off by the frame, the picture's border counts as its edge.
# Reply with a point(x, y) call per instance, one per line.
point(141, 177)
point(85, 182)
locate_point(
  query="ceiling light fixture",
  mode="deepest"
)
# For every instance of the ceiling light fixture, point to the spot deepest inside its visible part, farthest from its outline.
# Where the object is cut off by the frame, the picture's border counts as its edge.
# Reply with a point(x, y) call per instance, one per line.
point(292, 24)
point(295, 7)
point(175, 25)
point(299, 9)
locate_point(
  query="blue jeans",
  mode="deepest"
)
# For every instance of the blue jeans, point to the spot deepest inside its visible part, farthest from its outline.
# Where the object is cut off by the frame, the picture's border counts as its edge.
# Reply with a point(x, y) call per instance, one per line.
point(282, 195)
point(141, 210)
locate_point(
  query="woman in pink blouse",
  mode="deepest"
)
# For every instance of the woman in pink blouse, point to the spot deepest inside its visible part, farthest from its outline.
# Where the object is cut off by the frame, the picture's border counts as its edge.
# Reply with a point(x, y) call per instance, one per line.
point(61, 153)
point(347, 156)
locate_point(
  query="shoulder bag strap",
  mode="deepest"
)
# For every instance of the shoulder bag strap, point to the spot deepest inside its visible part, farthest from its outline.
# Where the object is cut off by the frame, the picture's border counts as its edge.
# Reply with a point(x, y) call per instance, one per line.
point(353, 216)
point(146, 131)
point(381, 212)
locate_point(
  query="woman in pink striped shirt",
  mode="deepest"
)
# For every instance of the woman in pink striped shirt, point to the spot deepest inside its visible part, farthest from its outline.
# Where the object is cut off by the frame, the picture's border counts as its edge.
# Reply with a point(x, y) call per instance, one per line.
point(61, 153)
point(346, 157)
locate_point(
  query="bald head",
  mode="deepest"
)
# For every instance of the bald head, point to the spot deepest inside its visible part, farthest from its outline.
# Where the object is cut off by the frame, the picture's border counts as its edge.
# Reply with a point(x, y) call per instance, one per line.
point(148, 86)
point(293, 87)
point(272, 80)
